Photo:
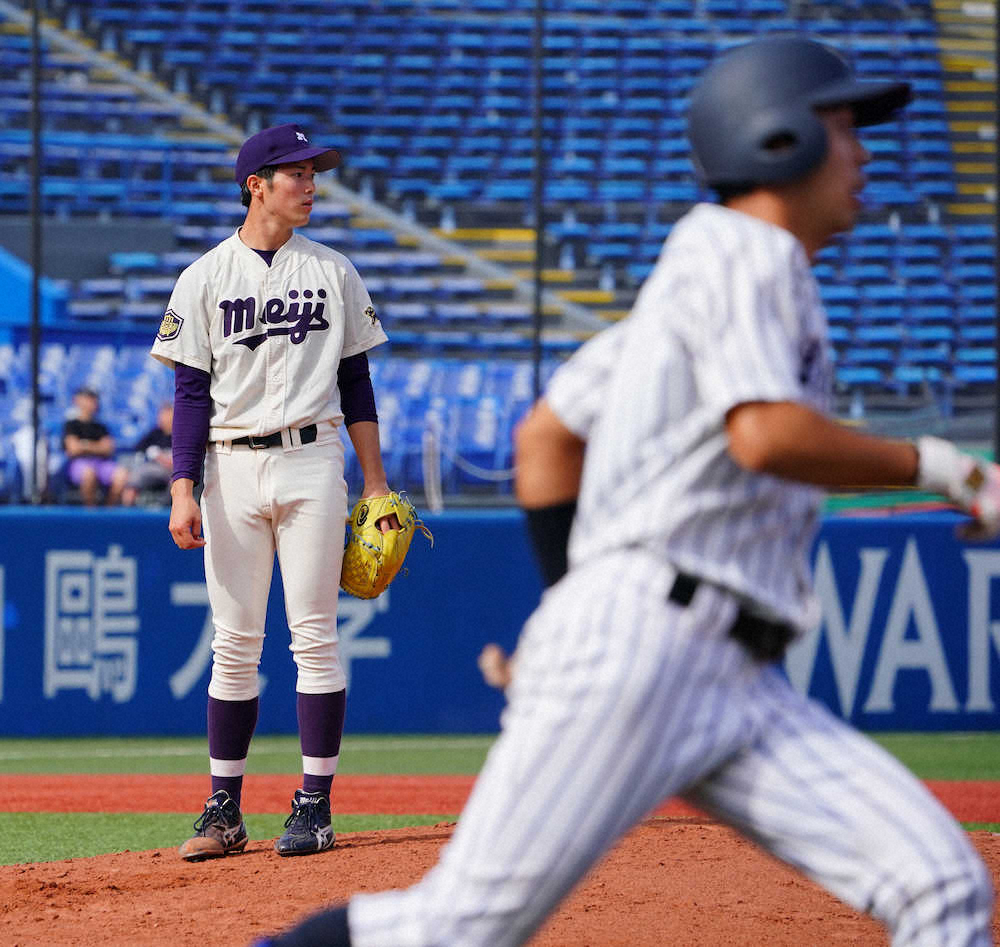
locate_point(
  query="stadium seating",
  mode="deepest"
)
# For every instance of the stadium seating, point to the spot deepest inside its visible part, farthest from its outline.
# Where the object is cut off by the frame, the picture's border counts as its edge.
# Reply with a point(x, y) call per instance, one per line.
point(475, 404)
point(431, 105)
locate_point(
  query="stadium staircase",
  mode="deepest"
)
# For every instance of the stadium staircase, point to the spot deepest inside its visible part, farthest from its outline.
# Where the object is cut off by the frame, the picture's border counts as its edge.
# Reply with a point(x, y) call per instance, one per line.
point(967, 54)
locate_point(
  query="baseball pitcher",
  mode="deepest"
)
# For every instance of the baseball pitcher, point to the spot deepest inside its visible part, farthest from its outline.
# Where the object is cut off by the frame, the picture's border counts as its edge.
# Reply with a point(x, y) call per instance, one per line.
point(267, 335)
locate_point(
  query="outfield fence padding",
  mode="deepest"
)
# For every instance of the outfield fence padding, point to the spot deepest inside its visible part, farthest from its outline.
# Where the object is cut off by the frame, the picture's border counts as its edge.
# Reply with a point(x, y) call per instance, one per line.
point(106, 627)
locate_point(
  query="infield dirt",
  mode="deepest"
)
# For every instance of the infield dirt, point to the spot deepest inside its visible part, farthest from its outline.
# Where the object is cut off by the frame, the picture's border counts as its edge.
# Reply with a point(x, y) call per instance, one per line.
point(677, 879)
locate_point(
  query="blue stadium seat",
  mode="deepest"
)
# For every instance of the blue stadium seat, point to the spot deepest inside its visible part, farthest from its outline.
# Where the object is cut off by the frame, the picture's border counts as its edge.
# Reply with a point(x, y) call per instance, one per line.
point(449, 191)
point(870, 355)
point(838, 293)
point(921, 272)
point(508, 191)
point(859, 376)
point(839, 313)
point(401, 313)
point(884, 293)
point(929, 334)
point(968, 252)
point(931, 293)
point(884, 311)
point(507, 314)
point(572, 164)
point(975, 313)
point(619, 190)
point(973, 232)
point(825, 272)
point(133, 261)
point(978, 292)
point(975, 375)
point(880, 334)
point(839, 334)
point(638, 271)
point(916, 252)
point(973, 273)
point(908, 376)
point(599, 253)
point(674, 192)
point(859, 273)
point(976, 355)
point(92, 309)
point(977, 334)
point(569, 191)
point(931, 312)
point(451, 313)
point(938, 356)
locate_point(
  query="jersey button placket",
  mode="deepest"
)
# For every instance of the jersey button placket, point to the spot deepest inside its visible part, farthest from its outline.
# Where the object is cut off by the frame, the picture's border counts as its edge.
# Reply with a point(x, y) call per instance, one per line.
point(262, 468)
point(274, 384)
point(263, 368)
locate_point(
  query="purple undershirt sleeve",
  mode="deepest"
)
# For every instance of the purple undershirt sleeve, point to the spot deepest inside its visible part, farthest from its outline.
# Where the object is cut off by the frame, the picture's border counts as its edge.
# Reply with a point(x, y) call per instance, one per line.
point(192, 411)
point(357, 400)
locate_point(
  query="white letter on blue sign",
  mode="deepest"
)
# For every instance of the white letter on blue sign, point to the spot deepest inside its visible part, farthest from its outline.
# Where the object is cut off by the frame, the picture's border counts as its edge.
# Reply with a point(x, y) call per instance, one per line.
point(984, 567)
point(846, 641)
point(925, 651)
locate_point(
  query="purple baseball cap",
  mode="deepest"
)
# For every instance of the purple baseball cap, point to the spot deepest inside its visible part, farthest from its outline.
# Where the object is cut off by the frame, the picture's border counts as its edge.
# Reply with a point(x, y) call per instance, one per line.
point(281, 144)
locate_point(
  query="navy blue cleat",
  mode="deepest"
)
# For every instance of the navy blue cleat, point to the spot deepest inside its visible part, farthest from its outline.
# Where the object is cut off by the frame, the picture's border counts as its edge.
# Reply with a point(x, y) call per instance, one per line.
point(308, 829)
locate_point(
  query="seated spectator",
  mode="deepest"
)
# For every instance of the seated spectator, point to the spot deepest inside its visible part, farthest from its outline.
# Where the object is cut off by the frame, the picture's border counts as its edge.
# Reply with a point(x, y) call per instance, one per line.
point(90, 449)
point(155, 463)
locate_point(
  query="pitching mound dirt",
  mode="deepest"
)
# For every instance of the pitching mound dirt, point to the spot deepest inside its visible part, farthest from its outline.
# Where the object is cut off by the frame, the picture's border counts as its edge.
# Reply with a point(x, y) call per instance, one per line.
point(680, 881)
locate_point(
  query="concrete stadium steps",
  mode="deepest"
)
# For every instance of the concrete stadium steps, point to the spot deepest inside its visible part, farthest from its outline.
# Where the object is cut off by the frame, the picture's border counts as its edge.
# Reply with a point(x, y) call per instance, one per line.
point(514, 247)
point(968, 58)
point(573, 268)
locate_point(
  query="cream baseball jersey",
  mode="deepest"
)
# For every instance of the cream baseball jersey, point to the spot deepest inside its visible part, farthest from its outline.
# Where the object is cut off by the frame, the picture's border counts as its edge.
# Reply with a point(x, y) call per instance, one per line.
point(730, 314)
point(271, 337)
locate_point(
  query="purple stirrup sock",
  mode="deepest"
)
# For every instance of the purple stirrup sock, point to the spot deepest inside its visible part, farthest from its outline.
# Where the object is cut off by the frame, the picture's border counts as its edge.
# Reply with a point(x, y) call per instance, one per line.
point(231, 725)
point(321, 724)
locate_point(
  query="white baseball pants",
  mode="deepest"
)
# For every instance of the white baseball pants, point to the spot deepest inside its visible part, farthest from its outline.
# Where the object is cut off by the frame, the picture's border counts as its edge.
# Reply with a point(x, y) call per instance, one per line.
point(291, 500)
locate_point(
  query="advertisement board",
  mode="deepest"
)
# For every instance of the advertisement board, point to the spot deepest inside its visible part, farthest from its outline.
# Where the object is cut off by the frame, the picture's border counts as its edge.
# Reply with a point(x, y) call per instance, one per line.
point(107, 629)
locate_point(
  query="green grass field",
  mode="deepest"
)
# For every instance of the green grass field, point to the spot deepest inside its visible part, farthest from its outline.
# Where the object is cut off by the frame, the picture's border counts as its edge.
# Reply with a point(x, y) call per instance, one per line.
point(32, 837)
point(359, 754)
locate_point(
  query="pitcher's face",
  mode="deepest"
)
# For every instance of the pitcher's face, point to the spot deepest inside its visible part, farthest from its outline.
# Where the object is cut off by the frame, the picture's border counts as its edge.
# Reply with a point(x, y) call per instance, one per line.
point(288, 196)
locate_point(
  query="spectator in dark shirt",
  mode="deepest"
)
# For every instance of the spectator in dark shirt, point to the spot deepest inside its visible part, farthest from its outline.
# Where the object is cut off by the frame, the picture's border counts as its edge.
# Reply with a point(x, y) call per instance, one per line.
point(154, 459)
point(90, 449)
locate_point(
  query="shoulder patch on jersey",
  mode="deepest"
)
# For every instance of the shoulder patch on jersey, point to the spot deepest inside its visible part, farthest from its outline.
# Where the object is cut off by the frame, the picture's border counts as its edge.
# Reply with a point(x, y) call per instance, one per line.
point(170, 326)
point(371, 314)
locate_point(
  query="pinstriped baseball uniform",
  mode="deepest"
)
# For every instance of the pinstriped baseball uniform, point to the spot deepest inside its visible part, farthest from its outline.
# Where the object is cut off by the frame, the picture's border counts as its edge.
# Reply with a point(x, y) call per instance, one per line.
point(730, 314)
point(576, 390)
point(627, 693)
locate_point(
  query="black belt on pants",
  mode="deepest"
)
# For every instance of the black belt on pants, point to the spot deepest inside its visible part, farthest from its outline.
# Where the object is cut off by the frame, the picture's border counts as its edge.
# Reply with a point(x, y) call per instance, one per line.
point(766, 640)
point(307, 435)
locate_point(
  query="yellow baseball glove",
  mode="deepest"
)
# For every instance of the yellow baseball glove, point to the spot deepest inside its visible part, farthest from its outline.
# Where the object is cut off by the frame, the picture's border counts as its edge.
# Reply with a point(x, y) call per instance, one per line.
point(372, 558)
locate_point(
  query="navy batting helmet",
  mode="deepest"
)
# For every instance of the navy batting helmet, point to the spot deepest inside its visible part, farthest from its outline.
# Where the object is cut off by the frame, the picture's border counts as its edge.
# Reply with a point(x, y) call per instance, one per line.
point(752, 116)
